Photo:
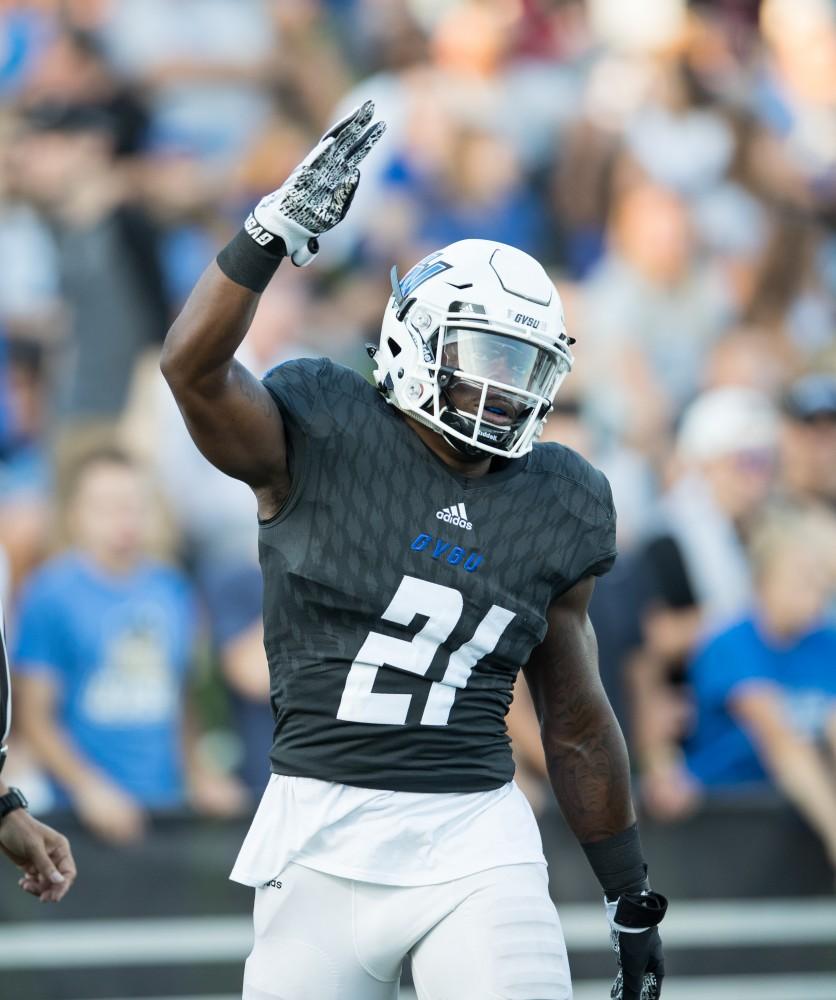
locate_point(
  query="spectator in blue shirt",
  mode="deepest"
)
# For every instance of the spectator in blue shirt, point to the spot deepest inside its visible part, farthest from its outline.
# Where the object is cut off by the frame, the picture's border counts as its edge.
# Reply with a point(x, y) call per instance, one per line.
point(765, 688)
point(232, 591)
point(104, 640)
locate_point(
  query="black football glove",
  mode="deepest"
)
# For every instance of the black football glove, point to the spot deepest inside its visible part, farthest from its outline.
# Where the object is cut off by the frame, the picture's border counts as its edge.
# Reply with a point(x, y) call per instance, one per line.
point(634, 919)
point(318, 193)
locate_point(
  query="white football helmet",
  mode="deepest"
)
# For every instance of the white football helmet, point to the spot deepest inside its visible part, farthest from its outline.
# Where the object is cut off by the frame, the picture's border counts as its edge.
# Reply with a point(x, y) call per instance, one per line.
point(474, 345)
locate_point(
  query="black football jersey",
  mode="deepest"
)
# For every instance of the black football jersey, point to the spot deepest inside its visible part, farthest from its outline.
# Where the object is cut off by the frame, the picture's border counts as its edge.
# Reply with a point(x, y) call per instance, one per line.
point(400, 597)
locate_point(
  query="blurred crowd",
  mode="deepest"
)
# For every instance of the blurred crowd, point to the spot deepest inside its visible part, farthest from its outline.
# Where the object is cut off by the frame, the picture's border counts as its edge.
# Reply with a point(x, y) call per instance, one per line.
point(672, 164)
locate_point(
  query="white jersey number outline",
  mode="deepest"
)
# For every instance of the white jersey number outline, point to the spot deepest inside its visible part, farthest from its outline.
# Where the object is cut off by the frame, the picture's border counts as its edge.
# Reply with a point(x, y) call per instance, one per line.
point(442, 607)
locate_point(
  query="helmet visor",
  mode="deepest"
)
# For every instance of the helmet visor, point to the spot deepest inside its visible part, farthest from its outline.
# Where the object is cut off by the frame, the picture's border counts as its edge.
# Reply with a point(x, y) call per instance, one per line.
point(509, 361)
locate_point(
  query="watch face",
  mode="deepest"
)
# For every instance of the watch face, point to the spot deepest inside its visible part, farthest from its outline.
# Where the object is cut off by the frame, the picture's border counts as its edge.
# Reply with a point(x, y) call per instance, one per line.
point(24, 802)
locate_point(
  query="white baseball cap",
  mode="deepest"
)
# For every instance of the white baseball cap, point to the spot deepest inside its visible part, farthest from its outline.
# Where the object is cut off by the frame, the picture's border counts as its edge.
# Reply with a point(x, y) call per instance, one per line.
point(727, 421)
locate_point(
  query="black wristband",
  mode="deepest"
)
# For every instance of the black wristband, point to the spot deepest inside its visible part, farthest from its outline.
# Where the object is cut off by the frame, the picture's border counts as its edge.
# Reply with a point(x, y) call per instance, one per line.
point(248, 263)
point(619, 863)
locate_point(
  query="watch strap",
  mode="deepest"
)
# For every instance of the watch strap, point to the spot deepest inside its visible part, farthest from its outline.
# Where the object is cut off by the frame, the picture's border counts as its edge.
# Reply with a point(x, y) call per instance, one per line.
point(13, 799)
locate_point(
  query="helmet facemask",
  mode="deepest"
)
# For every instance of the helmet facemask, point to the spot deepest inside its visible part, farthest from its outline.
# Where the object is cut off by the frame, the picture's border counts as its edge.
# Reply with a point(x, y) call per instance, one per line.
point(482, 373)
point(491, 387)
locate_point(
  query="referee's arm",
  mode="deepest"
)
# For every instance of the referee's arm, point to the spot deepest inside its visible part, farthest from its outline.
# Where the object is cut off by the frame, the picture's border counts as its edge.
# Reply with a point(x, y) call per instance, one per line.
point(5, 694)
point(42, 854)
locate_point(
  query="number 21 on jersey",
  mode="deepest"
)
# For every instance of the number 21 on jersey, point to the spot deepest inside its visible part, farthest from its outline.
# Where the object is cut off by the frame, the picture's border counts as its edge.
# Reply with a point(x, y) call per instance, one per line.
point(442, 607)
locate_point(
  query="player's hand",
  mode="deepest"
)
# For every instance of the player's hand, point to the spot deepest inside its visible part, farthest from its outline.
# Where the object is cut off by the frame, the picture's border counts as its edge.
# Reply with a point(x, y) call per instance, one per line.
point(634, 918)
point(318, 193)
point(109, 812)
point(42, 853)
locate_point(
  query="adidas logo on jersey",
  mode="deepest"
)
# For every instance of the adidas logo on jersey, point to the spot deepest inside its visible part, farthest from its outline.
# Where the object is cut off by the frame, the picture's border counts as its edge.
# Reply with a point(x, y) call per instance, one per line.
point(455, 515)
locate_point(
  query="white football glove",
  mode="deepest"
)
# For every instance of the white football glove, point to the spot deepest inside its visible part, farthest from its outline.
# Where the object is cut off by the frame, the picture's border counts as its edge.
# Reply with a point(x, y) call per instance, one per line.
point(318, 193)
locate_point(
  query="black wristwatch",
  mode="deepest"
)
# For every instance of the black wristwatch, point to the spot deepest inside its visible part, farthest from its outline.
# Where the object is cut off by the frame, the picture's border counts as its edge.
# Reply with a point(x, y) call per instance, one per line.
point(13, 799)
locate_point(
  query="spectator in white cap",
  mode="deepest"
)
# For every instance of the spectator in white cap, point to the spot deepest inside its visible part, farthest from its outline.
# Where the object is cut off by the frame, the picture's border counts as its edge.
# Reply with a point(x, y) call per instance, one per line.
point(695, 571)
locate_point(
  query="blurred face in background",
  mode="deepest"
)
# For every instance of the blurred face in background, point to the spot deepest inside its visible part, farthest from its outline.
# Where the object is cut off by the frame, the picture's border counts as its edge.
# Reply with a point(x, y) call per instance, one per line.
point(740, 480)
point(652, 232)
point(794, 583)
point(483, 168)
point(108, 514)
point(71, 69)
point(48, 167)
point(470, 39)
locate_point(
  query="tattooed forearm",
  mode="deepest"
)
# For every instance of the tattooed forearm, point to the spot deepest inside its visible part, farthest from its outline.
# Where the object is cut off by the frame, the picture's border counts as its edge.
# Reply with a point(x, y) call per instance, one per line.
point(588, 766)
point(585, 751)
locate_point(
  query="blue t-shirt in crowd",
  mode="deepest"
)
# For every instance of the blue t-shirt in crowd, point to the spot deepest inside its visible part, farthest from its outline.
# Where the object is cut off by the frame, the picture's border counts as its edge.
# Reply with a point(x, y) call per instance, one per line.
point(118, 648)
point(720, 753)
point(232, 592)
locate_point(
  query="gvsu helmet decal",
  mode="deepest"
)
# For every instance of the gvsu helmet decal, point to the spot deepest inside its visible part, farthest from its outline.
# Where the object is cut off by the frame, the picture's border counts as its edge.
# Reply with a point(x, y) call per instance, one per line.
point(473, 345)
point(427, 268)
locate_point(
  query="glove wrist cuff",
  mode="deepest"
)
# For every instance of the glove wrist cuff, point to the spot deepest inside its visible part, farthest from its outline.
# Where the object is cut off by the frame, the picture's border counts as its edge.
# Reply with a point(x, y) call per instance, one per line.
point(296, 239)
point(636, 912)
point(611, 906)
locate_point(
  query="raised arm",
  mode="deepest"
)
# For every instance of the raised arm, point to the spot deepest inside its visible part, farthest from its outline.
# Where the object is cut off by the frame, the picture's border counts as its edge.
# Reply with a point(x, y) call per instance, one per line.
point(230, 415)
point(588, 768)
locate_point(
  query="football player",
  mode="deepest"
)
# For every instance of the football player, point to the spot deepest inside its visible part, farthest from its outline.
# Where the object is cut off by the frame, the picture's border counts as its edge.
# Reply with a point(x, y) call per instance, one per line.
point(418, 549)
point(42, 854)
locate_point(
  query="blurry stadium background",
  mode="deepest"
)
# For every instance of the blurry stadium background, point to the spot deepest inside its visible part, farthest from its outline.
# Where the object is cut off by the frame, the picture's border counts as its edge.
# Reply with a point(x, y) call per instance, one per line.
point(673, 164)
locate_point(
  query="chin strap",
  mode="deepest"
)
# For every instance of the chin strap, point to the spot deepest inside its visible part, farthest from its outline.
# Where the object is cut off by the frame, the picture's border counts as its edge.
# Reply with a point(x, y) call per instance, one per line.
point(468, 452)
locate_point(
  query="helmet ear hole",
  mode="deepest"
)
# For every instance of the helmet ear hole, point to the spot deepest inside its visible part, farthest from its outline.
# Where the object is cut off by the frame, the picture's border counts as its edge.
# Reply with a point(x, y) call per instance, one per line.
point(394, 347)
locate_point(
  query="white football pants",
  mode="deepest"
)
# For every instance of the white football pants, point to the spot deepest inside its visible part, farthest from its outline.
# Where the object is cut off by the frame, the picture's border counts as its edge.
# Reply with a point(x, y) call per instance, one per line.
point(494, 935)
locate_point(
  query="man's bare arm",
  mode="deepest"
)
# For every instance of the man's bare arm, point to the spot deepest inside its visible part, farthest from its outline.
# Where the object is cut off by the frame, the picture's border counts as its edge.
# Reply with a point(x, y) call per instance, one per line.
point(230, 415)
point(232, 418)
point(585, 751)
point(589, 771)
point(793, 761)
point(103, 807)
